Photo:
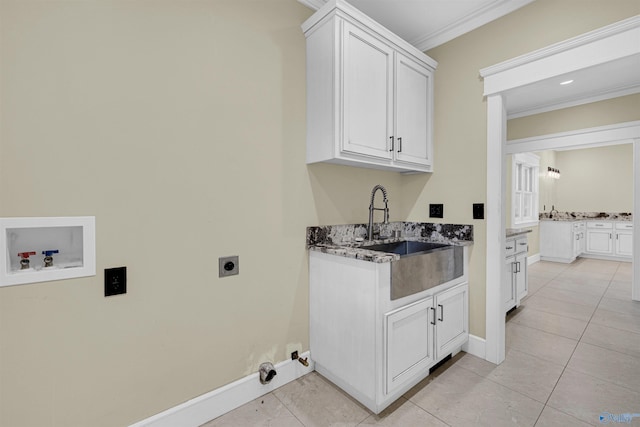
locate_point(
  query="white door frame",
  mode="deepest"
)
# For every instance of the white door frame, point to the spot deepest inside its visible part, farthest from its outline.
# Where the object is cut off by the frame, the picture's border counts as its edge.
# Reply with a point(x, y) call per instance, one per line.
point(607, 44)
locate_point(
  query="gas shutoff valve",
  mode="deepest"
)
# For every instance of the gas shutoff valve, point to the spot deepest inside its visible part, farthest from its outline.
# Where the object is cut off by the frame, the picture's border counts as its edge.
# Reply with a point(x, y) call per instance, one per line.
point(24, 261)
point(48, 259)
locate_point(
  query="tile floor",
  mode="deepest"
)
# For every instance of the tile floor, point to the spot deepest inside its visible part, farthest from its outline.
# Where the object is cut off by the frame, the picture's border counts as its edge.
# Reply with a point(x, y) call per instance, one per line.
point(573, 352)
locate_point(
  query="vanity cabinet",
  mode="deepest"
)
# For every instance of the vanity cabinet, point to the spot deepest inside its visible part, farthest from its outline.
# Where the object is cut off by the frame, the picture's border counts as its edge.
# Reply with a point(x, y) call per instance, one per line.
point(369, 94)
point(610, 240)
point(516, 285)
point(562, 241)
point(373, 347)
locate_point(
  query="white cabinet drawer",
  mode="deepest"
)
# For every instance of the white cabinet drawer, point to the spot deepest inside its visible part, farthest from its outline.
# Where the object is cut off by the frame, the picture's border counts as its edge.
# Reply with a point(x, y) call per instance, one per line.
point(578, 226)
point(603, 225)
point(624, 226)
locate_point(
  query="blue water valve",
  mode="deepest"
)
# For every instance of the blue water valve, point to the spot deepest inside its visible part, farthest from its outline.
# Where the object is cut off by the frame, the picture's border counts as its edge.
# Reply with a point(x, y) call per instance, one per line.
point(48, 259)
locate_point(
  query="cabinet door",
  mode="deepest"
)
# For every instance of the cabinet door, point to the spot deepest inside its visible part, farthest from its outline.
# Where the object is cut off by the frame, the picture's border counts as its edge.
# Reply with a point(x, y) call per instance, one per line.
point(409, 342)
point(599, 242)
point(367, 94)
point(452, 322)
point(412, 112)
point(508, 286)
point(520, 275)
point(624, 243)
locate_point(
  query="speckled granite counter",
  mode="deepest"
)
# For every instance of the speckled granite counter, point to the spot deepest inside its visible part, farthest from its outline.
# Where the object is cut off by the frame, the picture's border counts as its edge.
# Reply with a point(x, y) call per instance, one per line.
point(350, 240)
point(513, 232)
point(587, 216)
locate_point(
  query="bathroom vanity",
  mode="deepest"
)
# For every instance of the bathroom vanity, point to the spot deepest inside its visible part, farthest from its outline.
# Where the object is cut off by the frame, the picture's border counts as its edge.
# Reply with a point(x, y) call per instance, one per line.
point(371, 342)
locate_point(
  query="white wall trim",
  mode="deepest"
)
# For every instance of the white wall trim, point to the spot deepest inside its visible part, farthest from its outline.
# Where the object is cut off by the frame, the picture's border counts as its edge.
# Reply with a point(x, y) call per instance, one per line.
point(635, 277)
point(313, 4)
point(488, 13)
point(617, 133)
point(609, 43)
point(475, 346)
point(496, 228)
point(201, 409)
point(532, 259)
point(602, 96)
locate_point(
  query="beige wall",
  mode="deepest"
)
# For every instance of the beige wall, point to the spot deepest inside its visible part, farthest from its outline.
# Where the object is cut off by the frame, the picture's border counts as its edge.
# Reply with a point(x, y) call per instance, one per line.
point(180, 126)
point(596, 179)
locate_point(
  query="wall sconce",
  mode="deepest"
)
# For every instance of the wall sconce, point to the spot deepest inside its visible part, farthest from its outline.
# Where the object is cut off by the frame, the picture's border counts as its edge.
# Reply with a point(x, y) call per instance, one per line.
point(553, 173)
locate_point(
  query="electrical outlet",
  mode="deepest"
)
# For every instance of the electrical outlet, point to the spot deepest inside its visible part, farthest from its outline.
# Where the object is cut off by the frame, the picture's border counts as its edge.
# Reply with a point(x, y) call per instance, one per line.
point(115, 281)
point(436, 210)
point(228, 266)
point(294, 355)
point(478, 211)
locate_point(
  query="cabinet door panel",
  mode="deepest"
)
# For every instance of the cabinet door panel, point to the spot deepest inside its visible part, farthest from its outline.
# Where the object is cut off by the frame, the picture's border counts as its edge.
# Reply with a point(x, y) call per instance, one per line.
point(508, 286)
point(367, 103)
point(452, 320)
point(599, 242)
point(522, 286)
point(624, 244)
point(412, 111)
point(409, 340)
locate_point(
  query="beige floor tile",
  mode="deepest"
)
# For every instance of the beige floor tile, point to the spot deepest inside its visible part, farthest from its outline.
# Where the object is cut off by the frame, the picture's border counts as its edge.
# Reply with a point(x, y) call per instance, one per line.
point(536, 283)
point(614, 339)
point(571, 297)
point(586, 397)
point(608, 365)
point(553, 418)
point(521, 372)
point(596, 288)
point(546, 346)
point(585, 277)
point(619, 290)
point(626, 306)
point(264, 411)
point(317, 402)
point(460, 397)
point(547, 270)
point(616, 320)
point(560, 308)
point(552, 323)
point(403, 413)
point(596, 266)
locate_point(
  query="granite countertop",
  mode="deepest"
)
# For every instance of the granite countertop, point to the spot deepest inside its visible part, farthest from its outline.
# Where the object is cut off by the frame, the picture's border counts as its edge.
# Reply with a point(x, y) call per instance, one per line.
point(587, 216)
point(348, 240)
point(512, 232)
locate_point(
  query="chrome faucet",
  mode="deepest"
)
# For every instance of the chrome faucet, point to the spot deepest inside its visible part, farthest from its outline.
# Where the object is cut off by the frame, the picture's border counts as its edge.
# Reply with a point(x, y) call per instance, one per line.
point(372, 208)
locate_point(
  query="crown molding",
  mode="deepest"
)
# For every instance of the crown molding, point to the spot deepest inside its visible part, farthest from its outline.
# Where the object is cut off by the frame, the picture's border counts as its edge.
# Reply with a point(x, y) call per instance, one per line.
point(313, 4)
point(480, 17)
point(563, 46)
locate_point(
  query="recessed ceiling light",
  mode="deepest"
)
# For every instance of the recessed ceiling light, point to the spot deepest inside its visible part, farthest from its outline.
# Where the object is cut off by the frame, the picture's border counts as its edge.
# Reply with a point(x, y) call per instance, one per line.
point(566, 82)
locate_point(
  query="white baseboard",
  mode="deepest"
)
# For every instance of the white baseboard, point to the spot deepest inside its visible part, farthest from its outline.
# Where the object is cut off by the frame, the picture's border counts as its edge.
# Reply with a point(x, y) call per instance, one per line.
point(533, 259)
point(476, 346)
point(201, 409)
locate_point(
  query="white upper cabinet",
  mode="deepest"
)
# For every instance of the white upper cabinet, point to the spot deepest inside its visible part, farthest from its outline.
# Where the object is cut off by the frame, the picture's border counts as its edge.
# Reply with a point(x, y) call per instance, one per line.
point(369, 94)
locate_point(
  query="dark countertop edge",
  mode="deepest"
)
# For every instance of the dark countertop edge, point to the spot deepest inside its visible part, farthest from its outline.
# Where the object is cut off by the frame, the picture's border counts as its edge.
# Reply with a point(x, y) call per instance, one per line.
point(358, 251)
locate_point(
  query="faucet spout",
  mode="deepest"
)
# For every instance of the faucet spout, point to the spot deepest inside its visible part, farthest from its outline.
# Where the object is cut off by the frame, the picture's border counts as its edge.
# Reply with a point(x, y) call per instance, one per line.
point(373, 208)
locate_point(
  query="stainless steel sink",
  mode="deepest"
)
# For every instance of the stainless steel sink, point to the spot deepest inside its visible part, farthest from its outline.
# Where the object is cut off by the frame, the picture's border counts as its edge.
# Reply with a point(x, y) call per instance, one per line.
point(422, 265)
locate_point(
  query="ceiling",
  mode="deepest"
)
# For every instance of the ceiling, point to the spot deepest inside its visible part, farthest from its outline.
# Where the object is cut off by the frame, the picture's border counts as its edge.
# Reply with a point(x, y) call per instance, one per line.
point(429, 23)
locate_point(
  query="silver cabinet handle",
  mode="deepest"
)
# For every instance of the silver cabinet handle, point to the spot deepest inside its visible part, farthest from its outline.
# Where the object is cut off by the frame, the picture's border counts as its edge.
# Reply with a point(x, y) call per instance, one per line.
point(399, 145)
point(441, 312)
point(434, 316)
point(509, 247)
point(392, 143)
point(522, 244)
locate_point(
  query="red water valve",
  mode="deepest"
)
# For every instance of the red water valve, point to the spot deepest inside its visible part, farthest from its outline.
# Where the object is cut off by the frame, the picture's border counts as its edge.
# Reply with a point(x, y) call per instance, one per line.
point(25, 255)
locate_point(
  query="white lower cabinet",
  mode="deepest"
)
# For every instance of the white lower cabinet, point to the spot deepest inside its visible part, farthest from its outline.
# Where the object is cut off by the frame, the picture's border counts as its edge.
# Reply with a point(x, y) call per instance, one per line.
point(424, 332)
point(607, 239)
point(372, 347)
point(409, 342)
point(516, 285)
